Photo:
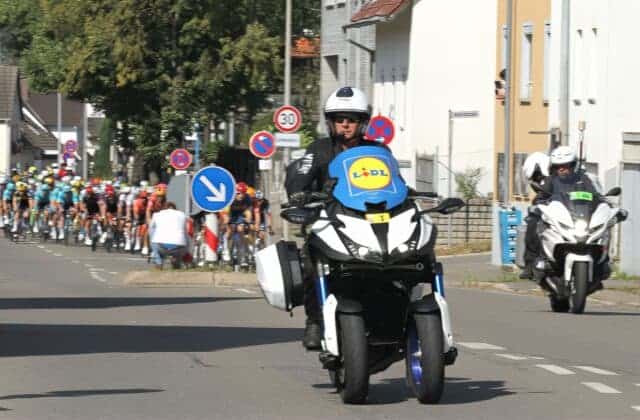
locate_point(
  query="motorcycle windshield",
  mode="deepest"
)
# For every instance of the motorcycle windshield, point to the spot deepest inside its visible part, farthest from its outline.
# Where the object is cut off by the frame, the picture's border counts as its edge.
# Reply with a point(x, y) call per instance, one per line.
point(581, 204)
point(367, 175)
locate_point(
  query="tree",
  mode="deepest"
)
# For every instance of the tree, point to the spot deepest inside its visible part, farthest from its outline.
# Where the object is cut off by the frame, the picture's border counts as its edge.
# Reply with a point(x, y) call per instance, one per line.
point(467, 182)
point(102, 159)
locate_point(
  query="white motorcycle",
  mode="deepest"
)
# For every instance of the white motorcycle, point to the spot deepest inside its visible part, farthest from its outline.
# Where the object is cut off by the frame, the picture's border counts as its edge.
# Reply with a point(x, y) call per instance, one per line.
point(575, 242)
point(372, 249)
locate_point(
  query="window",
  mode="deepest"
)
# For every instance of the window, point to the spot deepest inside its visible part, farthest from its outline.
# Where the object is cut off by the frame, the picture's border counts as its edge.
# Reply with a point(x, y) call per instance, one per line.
point(520, 183)
point(547, 57)
point(593, 66)
point(526, 62)
point(329, 3)
point(577, 68)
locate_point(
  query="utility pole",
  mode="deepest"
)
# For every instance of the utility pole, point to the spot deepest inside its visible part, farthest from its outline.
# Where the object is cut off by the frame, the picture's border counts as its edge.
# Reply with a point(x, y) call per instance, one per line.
point(507, 104)
point(59, 143)
point(287, 88)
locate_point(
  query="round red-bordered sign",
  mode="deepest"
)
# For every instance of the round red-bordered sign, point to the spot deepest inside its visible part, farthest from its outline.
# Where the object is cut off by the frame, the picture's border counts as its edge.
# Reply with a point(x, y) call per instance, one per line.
point(262, 144)
point(180, 159)
point(70, 146)
point(380, 129)
point(287, 119)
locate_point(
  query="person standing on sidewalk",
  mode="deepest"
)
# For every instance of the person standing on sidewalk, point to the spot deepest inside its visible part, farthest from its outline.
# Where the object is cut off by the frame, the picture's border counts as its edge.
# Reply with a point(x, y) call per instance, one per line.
point(168, 232)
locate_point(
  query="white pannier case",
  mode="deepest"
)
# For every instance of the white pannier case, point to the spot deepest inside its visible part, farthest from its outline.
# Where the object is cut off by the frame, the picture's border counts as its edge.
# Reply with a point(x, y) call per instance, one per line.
point(280, 275)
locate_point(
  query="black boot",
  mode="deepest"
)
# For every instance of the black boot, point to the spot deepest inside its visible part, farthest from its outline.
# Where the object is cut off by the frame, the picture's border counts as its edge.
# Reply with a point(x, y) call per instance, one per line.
point(312, 339)
point(527, 272)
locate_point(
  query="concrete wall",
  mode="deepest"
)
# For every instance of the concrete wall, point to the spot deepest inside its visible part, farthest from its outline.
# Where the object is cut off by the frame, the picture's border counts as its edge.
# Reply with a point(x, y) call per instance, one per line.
point(453, 50)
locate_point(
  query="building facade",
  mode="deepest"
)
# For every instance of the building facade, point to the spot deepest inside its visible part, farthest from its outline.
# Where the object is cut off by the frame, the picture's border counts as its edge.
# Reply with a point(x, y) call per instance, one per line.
point(530, 90)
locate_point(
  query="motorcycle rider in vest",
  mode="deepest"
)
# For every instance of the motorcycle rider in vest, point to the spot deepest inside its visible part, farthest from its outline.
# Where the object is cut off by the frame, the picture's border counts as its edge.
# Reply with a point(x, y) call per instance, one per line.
point(564, 177)
point(347, 113)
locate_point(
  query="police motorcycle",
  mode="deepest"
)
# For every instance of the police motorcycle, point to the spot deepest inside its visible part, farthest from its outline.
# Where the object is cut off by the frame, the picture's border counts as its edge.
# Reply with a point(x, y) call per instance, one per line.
point(372, 247)
point(575, 235)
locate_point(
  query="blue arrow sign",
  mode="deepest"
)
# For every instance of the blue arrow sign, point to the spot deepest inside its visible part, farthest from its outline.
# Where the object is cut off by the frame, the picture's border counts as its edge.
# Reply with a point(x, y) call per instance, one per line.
point(213, 188)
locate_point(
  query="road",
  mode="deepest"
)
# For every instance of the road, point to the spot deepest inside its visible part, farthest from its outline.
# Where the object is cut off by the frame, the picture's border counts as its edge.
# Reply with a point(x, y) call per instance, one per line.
point(78, 344)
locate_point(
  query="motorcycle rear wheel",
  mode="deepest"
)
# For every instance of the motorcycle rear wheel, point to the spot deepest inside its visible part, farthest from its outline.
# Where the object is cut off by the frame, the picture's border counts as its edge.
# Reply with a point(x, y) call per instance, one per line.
point(425, 358)
point(352, 379)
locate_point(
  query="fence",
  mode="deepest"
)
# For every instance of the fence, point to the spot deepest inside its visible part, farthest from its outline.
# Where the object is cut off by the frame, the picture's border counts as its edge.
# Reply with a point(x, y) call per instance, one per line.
point(473, 223)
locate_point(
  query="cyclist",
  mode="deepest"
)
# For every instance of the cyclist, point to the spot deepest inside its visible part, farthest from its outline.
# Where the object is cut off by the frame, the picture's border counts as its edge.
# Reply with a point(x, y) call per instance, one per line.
point(91, 205)
point(22, 204)
point(7, 200)
point(262, 217)
point(68, 201)
point(140, 218)
point(4, 180)
point(239, 215)
point(43, 206)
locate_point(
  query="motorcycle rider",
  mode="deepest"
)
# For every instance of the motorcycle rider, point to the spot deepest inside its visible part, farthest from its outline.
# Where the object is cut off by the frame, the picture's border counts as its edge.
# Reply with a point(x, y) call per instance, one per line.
point(347, 113)
point(564, 177)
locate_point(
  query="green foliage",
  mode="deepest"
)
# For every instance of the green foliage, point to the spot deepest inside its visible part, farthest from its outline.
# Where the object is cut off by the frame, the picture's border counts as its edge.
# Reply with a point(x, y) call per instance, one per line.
point(467, 182)
point(157, 67)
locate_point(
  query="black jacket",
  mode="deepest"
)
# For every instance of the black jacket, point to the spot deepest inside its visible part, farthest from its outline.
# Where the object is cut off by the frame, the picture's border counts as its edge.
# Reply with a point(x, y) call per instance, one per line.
point(575, 182)
point(311, 172)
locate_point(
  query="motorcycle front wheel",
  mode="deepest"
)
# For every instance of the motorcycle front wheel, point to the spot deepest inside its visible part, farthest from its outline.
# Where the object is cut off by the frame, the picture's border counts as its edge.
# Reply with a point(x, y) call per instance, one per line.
point(425, 357)
point(580, 279)
point(352, 378)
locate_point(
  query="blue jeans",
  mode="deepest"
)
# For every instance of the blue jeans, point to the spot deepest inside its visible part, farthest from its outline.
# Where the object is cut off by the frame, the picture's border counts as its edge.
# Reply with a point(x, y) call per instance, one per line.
point(160, 251)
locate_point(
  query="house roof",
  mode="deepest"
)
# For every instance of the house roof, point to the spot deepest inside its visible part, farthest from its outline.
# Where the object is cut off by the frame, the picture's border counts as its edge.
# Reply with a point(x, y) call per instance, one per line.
point(33, 130)
point(8, 90)
point(377, 9)
point(47, 107)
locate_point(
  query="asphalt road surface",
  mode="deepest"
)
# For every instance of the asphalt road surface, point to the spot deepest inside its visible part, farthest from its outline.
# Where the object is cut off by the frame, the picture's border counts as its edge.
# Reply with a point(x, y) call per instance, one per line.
point(78, 344)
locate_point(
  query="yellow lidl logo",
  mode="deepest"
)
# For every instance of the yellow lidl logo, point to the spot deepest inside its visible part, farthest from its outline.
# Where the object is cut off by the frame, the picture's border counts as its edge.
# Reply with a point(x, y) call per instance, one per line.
point(369, 173)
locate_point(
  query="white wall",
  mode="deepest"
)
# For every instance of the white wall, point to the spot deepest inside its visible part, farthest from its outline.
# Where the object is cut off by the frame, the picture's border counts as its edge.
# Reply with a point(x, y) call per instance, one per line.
point(453, 65)
point(391, 95)
point(5, 148)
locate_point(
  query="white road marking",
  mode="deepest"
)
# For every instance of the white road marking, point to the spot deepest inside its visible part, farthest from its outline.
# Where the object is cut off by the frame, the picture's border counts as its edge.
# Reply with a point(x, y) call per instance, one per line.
point(96, 269)
point(480, 346)
point(41, 246)
point(512, 356)
point(57, 255)
point(636, 407)
point(536, 357)
point(601, 388)
point(596, 370)
point(558, 370)
point(88, 265)
point(114, 273)
point(244, 291)
point(96, 276)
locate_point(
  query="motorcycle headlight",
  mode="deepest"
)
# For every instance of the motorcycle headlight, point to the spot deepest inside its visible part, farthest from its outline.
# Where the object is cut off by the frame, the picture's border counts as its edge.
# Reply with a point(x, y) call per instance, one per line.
point(580, 227)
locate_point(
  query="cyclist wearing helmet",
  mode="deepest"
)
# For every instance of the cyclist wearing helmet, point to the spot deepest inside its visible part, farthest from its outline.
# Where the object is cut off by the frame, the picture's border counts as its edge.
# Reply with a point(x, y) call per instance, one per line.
point(564, 176)
point(347, 115)
point(91, 205)
point(140, 218)
point(262, 215)
point(238, 216)
point(22, 204)
point(7, 199)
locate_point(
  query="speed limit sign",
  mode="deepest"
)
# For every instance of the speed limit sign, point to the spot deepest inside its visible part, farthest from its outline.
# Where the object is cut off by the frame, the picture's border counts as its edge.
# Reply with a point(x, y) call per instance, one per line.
point(287, 119)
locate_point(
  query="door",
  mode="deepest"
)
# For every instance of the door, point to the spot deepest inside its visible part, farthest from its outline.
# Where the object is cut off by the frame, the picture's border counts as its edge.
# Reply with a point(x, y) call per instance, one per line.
point(630, 232)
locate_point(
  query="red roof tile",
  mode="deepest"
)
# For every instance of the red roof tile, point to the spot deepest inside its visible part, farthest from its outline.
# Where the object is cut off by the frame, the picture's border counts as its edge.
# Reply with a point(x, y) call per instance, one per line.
point(377, 8)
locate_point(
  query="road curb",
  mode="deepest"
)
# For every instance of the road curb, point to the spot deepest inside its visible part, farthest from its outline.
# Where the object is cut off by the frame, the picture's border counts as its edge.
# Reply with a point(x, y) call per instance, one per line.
point(185, 278)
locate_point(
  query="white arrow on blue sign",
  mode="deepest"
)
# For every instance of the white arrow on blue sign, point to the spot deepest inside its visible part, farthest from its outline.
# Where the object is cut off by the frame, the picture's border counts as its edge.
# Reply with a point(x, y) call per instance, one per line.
point(213, 188)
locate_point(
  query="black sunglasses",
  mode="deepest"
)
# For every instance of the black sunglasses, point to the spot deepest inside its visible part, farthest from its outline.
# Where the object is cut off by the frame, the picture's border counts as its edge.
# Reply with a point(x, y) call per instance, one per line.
point(340, 119)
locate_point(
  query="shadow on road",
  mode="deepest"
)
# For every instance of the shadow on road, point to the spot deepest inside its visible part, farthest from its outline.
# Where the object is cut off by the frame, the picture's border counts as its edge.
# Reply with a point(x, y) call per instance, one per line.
point(103, 303)
point(456, 391)
point(40, 339)
point(587, 314)
point(80, 393)
point(464, 391)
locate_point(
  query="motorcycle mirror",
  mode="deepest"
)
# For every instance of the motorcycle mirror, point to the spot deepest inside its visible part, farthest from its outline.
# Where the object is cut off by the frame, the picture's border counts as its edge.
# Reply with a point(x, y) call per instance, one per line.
point(614, 192)
point(448, 206)
point(296, 215)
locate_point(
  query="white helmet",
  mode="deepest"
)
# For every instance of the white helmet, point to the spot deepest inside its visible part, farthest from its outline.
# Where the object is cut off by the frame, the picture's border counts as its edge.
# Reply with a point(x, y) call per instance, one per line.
point(536, 161)
point(144, 184)
point(347, 99)
point(562, 155)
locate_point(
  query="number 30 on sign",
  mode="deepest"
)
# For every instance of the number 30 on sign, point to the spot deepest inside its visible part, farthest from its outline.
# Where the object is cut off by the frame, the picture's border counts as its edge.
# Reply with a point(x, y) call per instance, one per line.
point(287, 119)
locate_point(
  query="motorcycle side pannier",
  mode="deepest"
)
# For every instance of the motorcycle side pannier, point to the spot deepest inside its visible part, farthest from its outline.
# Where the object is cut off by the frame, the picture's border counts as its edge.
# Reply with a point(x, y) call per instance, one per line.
point(280, 275)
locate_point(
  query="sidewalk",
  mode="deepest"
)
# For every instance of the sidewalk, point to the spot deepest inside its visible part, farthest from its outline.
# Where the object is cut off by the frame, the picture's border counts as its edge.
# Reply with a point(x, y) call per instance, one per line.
point(463, 271)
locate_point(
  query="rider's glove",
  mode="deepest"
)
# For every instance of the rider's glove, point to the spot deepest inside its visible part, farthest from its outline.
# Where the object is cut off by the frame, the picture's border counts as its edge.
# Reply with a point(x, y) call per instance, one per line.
point(299, 199)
